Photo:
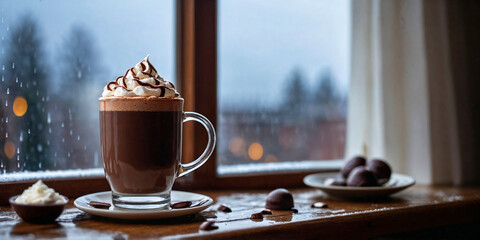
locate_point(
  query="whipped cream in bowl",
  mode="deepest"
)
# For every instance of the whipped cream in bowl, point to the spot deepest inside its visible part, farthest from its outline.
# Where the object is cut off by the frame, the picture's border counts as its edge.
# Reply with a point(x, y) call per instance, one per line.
point(39, 193)
point(142, 80)
point(39, 204)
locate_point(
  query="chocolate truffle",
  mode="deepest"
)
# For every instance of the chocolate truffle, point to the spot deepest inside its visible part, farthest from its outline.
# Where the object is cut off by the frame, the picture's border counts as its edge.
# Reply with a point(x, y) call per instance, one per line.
point(351, 164)
point(279, 199)
point(380, 169)
point(361, 177)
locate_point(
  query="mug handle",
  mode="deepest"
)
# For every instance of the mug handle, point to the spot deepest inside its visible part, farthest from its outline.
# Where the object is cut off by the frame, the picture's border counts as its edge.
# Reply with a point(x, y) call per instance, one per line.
point(197, 117)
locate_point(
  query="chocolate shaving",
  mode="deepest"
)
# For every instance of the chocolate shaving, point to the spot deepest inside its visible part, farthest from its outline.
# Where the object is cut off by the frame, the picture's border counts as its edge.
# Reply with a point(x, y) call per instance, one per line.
point(207, 225)
point(183, 204)
point(102, 205)
point(256, 216)
point(224, 208)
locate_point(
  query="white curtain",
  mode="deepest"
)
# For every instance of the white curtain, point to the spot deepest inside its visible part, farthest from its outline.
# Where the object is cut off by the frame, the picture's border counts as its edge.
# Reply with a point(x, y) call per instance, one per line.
point(401, 103)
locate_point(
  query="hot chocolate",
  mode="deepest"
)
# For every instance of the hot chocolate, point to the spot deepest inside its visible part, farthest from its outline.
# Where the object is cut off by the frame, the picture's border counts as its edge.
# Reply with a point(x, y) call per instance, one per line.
point(141, 143)
point(141, 119)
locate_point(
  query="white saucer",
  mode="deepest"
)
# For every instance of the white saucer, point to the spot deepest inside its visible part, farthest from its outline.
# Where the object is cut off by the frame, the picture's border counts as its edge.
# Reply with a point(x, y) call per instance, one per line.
point(396, 183)
point(82, 203)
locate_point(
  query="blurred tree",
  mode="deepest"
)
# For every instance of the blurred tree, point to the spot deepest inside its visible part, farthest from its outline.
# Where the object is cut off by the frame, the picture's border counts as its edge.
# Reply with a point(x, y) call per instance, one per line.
point(296, 95)
point(326, 92)
point(25, 76)
point(328, 100)
point(78, 70)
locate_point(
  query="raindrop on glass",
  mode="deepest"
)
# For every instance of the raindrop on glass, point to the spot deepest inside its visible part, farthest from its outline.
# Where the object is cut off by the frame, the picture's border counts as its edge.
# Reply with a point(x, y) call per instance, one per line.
point(49, 118)
point(3, 67)
point(3, 78)
point(55, 154)
point(1, 164)
point(21, 136)
point(63, 140)
point(43, 98)
point(40, 165)
point(48, 142)
point(6, 135)
point(21, 84)
point(16, 79)
point(34, 70)
point(13, 65)
point(18, 150)
point(6, 120)
point(8, 91)
point(28, 131)
point(63, 125)
point(49, 130)
point(6, 103)
point(68, 154)
point(39, 148)
point(79, 74)
point(18, 164)
point(18, 157)
point(71, 132)
point(78, 138)
point(37, 93)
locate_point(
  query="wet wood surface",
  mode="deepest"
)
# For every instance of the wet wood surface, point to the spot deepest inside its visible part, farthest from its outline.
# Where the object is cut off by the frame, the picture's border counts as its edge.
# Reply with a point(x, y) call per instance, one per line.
point(416, 208)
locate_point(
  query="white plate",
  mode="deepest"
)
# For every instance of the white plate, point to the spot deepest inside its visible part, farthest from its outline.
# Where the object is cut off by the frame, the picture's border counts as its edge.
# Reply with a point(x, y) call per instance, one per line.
point(396, 183)
point(120, 213)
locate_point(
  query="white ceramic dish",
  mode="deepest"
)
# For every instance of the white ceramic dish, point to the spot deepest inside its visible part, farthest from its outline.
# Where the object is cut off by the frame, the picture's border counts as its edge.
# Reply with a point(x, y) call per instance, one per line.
point(82, 203)
point(397, 182)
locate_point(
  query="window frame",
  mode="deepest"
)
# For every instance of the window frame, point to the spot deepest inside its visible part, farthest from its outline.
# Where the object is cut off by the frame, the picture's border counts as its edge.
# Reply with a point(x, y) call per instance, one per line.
point(196, 67)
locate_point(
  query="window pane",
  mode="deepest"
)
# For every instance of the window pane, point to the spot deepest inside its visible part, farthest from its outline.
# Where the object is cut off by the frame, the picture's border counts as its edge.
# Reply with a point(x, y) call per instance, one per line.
point(55, 58)
point(283, 82)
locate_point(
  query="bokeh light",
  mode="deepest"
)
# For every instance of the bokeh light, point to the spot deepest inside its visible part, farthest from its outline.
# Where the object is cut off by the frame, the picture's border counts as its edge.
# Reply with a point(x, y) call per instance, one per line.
point(255, 151)
point(20, 106)
point(9, 149)
point(237, 146)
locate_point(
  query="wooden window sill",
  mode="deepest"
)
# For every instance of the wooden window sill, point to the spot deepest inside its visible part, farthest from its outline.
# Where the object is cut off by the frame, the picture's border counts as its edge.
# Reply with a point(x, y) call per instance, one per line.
point(419, 207)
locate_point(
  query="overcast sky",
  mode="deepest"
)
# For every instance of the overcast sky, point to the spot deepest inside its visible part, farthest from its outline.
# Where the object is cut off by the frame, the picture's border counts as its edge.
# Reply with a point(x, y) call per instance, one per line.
point(260, 41)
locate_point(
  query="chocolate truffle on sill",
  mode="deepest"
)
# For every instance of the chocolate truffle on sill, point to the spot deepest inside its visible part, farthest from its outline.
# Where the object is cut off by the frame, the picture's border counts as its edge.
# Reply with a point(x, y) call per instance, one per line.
point(351, 164)
point(279, 199)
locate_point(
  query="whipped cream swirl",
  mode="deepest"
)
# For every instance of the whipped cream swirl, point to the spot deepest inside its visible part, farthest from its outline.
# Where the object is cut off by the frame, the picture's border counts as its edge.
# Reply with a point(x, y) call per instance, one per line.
point(140, 81)
point(39, 193)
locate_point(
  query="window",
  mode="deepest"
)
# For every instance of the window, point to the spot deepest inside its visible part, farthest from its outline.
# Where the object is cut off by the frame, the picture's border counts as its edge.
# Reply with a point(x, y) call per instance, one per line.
point(322, 58)
point(55, 58)
point(283, 70)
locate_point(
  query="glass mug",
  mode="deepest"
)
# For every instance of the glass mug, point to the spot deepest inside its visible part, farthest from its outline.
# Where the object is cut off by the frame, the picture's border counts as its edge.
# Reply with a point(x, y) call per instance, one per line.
point(141, 142)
